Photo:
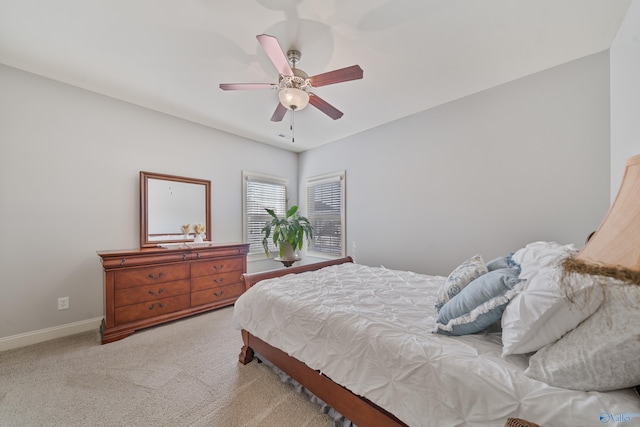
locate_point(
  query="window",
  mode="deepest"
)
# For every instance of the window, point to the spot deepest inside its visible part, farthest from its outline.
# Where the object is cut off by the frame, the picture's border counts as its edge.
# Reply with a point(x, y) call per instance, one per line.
point(326, 212)
point(260, 192)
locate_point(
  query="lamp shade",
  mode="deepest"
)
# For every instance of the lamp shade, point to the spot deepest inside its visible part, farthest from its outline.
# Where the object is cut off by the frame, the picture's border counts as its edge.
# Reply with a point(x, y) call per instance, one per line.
point(616, 243)
point(293, 99)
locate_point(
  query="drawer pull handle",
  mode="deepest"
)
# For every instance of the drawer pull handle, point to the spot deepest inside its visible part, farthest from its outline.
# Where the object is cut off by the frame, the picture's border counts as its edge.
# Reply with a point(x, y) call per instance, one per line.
point(122, 261)
point(218, 294)
point(151, 307)
point(218, 267)
point(151, 276)
point(218, 281)
point(184, 257)
point(198, 255)
point(161, 290)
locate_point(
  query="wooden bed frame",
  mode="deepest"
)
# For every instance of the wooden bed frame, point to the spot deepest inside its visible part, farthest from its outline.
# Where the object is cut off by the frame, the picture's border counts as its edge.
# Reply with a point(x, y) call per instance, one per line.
point(355, 408)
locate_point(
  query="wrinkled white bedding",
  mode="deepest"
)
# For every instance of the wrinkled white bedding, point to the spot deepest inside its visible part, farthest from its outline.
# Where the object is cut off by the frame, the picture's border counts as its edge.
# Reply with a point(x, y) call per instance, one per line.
point(369, 329)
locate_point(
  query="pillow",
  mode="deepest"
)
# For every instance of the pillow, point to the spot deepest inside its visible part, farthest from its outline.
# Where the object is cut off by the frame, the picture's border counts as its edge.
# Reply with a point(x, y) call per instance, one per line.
point(480, 304)
point(459, 278)
point(601, 353)
point(541, 313)
point(496, 263)
point(538, 255)
point(501, 262)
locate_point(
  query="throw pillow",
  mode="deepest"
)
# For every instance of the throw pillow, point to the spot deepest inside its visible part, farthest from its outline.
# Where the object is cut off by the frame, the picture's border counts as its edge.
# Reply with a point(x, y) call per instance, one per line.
point(538, 255)
point(480, 304)
point(541, 313)
point(601, 353)
point(501, 262)
point(459, 278)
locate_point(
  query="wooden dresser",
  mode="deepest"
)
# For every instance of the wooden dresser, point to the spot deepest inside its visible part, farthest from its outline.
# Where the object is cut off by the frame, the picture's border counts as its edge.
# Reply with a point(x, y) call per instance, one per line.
point(145, 287)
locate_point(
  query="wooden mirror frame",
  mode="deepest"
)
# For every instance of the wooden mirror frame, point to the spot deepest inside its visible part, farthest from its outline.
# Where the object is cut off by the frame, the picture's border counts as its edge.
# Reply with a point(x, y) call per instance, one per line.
point(145, 242)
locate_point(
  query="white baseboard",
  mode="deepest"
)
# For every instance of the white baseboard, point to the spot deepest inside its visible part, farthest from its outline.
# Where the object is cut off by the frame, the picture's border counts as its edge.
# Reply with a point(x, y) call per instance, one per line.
point(47, 334)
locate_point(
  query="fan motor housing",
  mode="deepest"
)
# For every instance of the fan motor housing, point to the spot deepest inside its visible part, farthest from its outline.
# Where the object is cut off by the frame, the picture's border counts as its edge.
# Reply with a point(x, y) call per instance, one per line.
point(299, 80)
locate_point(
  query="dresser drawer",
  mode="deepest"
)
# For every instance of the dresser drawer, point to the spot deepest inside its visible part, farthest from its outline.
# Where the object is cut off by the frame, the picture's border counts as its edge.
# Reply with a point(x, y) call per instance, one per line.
point(151, 275)
point(153, 292)
point(149, 309)
point(215, 280)
point(217, 266)
point(217, 294)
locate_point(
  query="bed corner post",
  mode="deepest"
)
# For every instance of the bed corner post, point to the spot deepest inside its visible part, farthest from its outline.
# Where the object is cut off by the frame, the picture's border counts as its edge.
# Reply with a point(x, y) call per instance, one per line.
point(246, 353)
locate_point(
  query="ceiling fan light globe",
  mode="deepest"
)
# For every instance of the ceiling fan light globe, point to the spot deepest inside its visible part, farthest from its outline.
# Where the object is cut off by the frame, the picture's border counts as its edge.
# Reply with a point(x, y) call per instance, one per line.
point(293, 99)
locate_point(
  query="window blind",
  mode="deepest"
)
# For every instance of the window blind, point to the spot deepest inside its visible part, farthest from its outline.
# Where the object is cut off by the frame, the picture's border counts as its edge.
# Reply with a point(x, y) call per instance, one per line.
point(260, 193)
point(325, 207)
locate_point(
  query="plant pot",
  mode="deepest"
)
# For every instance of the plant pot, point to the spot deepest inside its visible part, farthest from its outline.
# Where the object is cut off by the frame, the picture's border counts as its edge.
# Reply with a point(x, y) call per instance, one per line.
point(289, 252)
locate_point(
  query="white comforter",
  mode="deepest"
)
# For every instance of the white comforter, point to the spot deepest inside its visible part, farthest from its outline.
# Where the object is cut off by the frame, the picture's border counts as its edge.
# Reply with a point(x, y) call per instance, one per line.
point(369, 329)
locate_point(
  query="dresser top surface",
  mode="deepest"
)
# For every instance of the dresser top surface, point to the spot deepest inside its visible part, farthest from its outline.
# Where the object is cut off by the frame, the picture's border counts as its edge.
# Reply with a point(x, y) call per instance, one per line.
point(159, 250)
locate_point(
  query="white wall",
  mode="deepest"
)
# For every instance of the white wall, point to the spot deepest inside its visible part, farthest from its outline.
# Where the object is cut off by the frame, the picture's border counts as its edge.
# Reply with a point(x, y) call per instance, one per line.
point(69, 165)
point(524, 161)
point(625, 95)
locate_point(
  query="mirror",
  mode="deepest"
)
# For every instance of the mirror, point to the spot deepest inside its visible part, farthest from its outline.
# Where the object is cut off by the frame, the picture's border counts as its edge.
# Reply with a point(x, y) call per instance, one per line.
point(167, 203)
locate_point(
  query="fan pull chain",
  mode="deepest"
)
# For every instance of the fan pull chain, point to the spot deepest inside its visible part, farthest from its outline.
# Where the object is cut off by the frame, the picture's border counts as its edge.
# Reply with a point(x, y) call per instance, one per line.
point(293, 136)
point(293, 60)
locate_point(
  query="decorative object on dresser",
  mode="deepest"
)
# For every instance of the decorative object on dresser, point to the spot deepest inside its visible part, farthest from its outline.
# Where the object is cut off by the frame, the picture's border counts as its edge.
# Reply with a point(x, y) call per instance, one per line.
point(199, 229)
point(148, 286)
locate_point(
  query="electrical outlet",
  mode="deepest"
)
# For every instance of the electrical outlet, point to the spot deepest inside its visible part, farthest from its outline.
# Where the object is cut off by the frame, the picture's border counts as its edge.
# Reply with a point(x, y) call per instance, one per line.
point(63, 303)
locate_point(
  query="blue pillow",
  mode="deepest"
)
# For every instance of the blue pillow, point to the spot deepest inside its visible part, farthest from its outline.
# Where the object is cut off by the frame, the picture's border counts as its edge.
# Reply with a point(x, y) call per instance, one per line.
point(501, 262)
point(480, 304)
point(459, 278)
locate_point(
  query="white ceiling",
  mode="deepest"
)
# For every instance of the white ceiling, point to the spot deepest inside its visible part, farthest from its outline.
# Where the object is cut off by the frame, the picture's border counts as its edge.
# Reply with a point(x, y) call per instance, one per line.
point(171, 55)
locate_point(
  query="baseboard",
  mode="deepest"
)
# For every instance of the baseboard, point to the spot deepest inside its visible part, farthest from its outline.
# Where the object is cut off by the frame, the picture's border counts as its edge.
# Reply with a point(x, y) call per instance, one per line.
point(47, 334)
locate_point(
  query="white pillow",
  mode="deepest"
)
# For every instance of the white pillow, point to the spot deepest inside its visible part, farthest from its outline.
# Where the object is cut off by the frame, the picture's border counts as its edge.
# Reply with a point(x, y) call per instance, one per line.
point(460, 277)
point(602, 353)
point(541, 313)
point(538, 255)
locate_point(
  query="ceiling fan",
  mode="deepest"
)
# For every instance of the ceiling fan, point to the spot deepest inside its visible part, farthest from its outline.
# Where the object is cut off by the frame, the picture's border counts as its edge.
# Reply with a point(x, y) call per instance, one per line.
point(295, 85)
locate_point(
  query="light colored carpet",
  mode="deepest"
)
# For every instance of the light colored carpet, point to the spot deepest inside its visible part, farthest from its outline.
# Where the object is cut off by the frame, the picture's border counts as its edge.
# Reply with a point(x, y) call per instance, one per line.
point(185, 373)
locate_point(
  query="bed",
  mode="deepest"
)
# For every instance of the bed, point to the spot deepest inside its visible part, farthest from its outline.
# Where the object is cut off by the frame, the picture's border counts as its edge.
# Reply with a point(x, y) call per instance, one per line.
point(444, 380)
point(387, 347)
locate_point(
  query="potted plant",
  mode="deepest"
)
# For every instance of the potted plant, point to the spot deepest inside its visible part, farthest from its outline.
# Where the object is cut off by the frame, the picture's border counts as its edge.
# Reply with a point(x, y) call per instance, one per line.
point(288, 233)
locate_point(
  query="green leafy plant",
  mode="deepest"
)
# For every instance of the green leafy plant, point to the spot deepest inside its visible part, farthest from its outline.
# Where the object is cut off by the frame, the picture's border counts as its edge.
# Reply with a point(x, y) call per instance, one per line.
point(293, 228)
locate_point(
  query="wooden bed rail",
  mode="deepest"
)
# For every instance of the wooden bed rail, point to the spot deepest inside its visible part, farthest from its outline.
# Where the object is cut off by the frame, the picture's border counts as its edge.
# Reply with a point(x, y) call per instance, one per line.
point(356, 408)
point(251, 279)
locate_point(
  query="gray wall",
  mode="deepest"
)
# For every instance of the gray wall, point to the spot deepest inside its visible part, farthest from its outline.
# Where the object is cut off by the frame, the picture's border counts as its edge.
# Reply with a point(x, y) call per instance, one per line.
point(524, 161)
point(488, 173)
point(625, 95)
point(69, 164)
